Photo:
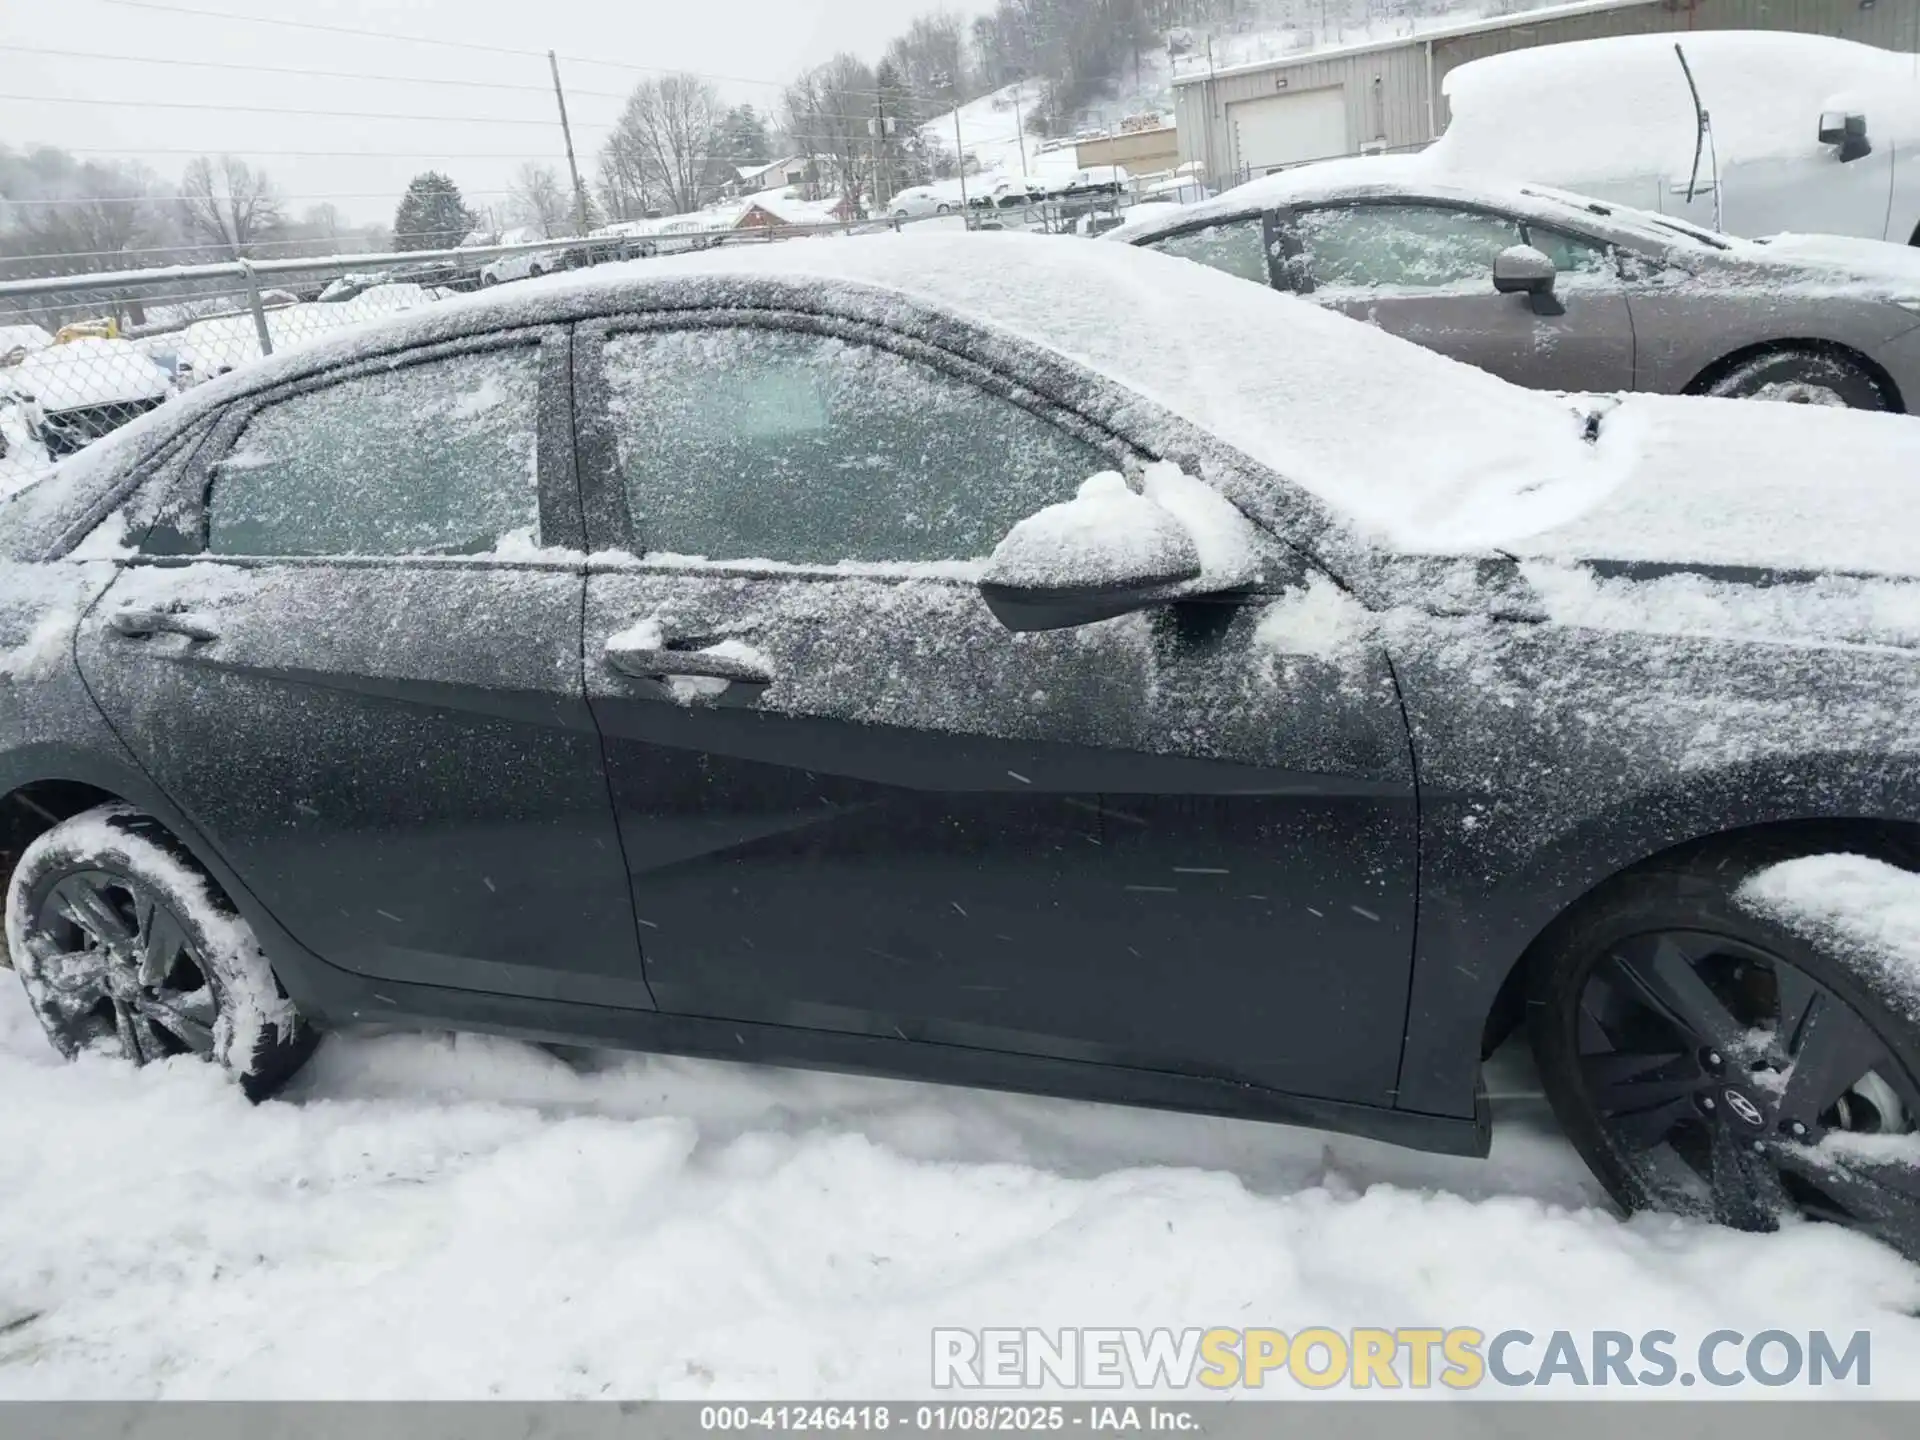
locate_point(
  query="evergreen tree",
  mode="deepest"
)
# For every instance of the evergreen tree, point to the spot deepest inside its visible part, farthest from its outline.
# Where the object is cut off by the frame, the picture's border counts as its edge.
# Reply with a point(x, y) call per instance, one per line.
point(432, 216)
point(743, 138)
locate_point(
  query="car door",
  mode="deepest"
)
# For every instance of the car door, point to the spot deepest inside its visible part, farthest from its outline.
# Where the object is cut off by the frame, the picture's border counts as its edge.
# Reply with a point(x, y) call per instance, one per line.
point(850, 800)
point(1424, 271)
point(350, 653)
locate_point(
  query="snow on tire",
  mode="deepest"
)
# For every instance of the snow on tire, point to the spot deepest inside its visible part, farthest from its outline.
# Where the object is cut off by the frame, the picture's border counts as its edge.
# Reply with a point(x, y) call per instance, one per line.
point(1802, 377)
point(126, 947)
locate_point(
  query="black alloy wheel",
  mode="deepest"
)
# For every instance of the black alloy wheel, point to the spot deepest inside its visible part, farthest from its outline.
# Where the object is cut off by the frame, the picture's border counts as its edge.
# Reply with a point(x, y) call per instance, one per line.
point(1730, 1083)
point(119, 970)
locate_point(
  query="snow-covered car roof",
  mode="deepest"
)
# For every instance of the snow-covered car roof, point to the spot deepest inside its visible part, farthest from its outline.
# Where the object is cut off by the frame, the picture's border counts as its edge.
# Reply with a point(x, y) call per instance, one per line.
point(1594, 110)
point(1415, 177)
point(87, 372)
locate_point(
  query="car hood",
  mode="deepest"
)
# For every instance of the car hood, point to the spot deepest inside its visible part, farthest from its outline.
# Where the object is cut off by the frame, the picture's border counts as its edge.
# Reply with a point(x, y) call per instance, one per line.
point(1745, 484)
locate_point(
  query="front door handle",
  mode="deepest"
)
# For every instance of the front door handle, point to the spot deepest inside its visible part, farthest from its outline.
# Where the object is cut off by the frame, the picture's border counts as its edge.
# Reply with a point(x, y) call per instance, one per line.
point(657, 663)
point(140, 624)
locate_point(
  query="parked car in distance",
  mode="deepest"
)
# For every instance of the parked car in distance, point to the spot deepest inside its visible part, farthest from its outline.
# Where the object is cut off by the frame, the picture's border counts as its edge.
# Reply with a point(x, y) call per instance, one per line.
point(1563, 292)
point(1010, 192)
point(1808, 132)
point(919, 201)
point(72, 393)
point(1010, 662)
point(522, 265)
point(1093, 181)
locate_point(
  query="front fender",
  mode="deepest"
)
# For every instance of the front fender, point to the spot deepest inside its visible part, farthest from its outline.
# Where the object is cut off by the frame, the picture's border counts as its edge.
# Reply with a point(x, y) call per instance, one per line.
point(1551, 757)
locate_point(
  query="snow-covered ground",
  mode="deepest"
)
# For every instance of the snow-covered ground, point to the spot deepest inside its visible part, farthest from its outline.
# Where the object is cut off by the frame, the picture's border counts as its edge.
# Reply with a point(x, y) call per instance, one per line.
point(436, 1216)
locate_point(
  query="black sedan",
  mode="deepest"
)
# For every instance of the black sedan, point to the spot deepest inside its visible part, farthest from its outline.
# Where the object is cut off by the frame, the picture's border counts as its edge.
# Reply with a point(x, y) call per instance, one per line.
point(991, 659)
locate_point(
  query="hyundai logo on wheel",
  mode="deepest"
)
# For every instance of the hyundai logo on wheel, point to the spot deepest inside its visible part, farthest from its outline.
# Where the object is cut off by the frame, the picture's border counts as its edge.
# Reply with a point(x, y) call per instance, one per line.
point(1740, 1105)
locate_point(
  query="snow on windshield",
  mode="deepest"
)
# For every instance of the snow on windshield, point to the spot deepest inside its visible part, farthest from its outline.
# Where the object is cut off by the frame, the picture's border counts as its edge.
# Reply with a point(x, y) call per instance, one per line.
point(1594, 110)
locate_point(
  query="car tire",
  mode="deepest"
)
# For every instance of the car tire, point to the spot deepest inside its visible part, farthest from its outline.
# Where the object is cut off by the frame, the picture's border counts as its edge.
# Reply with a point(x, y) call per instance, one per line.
point(1802, 377)
point(127, 947)
point(1633, 1002)
point(489, 281)
point(942, 209)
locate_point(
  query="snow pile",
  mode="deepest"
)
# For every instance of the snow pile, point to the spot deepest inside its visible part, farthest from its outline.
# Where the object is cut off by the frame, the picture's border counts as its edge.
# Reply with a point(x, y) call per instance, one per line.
point(1867, 909)
point(1619, 107)
point(1106, 536)
point(468, 1217)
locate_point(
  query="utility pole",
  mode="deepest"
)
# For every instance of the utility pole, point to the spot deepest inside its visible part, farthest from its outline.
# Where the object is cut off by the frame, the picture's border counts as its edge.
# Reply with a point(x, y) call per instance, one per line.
point(1019, 126)
point(566, 132)
point(959, 153)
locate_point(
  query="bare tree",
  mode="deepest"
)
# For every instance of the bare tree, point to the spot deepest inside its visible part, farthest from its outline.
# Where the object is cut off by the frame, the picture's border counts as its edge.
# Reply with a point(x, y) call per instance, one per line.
point(540, 202)
point(827, 109)
point(228, 205)
point(666, 139)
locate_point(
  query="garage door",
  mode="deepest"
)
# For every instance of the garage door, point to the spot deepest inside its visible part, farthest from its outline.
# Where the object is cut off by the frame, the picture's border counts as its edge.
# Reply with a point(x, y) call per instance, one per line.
point(1286, 129)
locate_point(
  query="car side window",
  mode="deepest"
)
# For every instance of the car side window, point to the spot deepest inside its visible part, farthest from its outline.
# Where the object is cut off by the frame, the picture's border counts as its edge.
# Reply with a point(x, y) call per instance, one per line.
point(1238, 247)
point(436, 458)
point(1401, 247)
point(743, 444)
point(1572, 254)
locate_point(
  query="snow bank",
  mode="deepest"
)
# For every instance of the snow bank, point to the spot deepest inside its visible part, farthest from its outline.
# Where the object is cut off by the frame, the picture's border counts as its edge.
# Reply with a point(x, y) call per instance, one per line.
point(1868, 909)
point(466, 1217)
point(1619, 107)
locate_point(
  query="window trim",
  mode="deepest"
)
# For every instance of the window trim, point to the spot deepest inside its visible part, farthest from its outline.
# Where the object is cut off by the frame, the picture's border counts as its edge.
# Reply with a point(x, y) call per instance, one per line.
point(180, 530)
point(614, 537)
point(1270, 239)
point(1286, 218)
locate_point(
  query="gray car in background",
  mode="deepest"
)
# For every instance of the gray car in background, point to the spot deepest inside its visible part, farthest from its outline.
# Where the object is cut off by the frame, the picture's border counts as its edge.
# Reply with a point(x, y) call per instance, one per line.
point(1561, 292)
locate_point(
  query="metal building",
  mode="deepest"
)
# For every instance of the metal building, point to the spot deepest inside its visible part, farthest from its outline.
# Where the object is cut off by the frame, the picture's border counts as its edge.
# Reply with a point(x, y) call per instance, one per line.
point(1386, 94)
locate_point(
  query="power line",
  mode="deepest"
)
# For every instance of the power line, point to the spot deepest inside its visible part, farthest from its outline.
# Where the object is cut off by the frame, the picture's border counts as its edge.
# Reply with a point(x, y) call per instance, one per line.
point(290, 110)
point(301, 71)
point(478, 45)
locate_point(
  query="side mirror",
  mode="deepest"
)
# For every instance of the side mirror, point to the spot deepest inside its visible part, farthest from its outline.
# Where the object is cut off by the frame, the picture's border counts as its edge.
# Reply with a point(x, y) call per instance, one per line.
point(1106, 552)
point(1523, 270)
point(1848, 131)
point(1111, 550)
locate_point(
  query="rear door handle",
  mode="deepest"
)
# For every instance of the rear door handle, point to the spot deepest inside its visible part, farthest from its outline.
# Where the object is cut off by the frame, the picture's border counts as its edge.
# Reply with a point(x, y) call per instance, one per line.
point(140, 624)
point(663, 664)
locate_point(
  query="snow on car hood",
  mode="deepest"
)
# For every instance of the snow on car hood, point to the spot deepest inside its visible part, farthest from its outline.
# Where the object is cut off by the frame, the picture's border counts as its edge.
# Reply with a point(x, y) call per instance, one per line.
point(88, 372)
point(1893, 267)
point(1610, 108)
point(1747, 483)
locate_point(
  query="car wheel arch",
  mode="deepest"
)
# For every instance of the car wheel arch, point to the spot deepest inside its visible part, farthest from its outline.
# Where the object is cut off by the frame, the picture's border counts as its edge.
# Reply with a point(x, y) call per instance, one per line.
point(1896, 841)
point(38, 790)
point(1726, 364)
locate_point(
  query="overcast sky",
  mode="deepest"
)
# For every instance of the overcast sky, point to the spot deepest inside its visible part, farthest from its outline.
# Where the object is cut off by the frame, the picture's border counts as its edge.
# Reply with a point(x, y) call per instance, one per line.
point(479, 135)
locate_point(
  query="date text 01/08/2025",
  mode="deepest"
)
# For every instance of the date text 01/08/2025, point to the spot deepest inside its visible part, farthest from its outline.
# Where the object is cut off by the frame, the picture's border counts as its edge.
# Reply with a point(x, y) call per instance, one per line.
point(975, 1418)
